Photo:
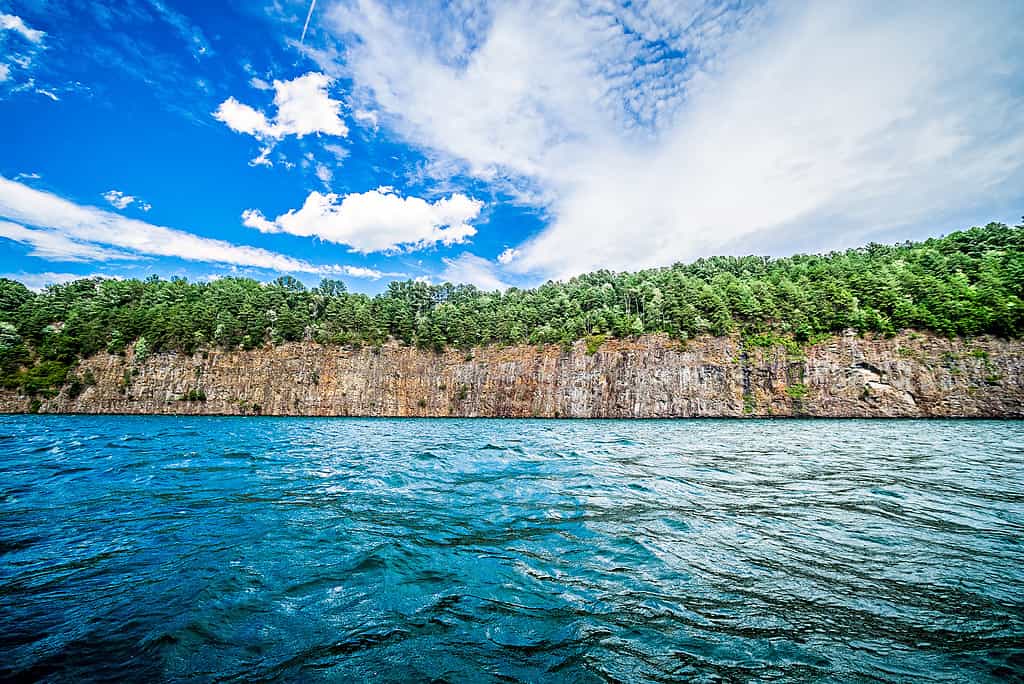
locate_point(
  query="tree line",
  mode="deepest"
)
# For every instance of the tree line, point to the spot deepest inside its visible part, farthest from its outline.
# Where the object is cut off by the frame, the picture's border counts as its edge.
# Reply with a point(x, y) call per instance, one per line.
point(968, 283)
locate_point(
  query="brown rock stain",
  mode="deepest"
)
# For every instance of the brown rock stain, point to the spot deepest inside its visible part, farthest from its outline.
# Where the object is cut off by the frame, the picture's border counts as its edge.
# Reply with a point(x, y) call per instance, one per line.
point(909, 375)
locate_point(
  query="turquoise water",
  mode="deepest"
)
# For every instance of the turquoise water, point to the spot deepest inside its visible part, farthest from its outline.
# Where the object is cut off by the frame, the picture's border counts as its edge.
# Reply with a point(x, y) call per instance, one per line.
point(149, 548)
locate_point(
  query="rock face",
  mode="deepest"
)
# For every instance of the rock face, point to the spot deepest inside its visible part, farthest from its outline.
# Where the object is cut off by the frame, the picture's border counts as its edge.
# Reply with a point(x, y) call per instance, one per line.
point(910, 375)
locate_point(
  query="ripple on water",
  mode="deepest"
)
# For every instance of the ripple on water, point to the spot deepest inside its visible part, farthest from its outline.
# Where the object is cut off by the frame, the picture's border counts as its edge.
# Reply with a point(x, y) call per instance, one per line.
point(407, 550)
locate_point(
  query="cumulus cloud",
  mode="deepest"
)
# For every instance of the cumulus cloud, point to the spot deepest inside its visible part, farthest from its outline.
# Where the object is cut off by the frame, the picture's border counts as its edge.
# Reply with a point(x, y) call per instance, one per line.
point(63, 230)
point(660, 131)
point(474, 270)
point(10, 22)
point(242, 118)
point(304, 107)
point(378, 220)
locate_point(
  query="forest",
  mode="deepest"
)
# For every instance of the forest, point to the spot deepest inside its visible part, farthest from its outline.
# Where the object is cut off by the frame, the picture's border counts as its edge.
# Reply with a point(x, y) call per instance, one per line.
point(967, 283)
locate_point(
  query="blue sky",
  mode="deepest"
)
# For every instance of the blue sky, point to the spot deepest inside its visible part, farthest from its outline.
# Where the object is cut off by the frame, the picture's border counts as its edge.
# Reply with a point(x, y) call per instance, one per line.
point(498, 143)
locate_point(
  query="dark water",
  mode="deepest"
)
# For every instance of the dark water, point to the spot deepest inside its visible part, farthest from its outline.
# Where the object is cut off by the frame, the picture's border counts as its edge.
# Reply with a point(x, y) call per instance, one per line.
point(408, 550)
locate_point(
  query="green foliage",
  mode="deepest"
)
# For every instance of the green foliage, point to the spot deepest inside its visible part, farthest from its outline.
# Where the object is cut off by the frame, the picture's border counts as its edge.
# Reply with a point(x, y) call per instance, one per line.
point(76, 384)
point(141, 350)
point(967, 283)
point(43, 378)
point(75, 388)
point(796, 391)
point(194, 395)
point(767, 340)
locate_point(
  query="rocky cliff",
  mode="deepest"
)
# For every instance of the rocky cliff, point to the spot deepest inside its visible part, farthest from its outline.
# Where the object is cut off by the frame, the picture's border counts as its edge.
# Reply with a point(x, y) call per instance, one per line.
point(912, 374)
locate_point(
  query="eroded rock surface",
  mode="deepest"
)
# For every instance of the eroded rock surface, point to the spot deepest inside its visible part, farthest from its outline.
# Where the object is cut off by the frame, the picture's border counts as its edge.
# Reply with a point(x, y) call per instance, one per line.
point(910, 375)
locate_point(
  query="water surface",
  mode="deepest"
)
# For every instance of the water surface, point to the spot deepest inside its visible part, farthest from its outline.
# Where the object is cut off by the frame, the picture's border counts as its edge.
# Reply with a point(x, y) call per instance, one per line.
point(142, 548)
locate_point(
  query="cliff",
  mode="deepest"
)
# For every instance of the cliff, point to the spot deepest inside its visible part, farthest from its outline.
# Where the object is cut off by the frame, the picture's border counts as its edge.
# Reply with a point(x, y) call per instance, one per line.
point(910, 375)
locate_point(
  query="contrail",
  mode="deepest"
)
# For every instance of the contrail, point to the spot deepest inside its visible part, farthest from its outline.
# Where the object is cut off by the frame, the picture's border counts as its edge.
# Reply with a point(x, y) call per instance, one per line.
point(306, 25)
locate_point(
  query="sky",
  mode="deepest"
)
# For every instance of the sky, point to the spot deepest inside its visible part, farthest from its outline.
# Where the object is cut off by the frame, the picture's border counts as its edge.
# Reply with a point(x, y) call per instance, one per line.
point(495, 143)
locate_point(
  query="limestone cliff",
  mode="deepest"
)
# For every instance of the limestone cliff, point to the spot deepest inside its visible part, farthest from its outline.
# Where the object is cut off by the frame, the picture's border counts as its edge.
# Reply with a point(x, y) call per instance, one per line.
point(912, 374)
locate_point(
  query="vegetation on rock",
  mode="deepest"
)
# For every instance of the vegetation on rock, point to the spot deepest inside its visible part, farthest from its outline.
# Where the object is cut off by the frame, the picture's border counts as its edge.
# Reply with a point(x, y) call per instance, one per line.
point(967, 283)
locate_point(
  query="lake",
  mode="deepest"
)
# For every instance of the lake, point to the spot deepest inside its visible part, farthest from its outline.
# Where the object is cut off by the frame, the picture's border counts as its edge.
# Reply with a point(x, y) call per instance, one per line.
point(163, 548)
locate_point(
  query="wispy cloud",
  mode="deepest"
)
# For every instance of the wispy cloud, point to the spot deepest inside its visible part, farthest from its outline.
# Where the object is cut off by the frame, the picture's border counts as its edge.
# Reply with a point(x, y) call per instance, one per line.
point(474, 270)
point(86, 36)
point(10, 22)
point(40, 281)
point(655, 132)
point(59, 247)
point(63, 230)
point(191, 33)
point(369, 273)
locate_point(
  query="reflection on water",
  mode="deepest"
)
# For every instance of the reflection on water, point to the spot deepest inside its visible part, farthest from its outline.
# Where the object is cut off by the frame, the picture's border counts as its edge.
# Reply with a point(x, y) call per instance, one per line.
point(406, 550)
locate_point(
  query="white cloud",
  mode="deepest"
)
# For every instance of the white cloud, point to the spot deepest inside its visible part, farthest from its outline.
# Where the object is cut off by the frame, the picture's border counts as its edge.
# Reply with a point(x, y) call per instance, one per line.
point(371, 273)
point(40, 281)
point(48, 93)
point(242, 118)
point(70, 232)
point(324, 174)
point(367, 117)
point(304, 107)
point(263, 158)
point(378, 220)
point(10, 22)
point(5, 72)
point(118, 198)
point(59, 247)
point(339, 152)
point(665, 131)
point(29, 176)
point(474, 270)
point(508, 255)
point(254, 218)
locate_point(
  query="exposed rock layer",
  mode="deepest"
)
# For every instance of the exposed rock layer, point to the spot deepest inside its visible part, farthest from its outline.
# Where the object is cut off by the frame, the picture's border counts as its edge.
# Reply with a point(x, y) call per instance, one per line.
point(911, 374)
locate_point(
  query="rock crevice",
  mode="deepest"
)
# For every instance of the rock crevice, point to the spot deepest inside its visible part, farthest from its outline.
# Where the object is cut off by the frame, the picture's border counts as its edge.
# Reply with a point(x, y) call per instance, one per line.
point(909, 375)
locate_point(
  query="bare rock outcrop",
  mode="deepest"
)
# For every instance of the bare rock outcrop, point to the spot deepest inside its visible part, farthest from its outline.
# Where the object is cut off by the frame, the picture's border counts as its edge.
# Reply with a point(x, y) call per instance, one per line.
point(909, 375)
